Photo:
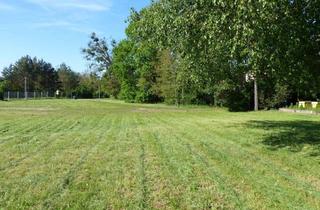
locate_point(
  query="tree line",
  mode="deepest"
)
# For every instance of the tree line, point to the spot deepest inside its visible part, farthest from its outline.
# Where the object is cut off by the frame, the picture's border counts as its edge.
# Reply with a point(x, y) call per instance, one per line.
point(198, 52)
point(40, 76)
point(213, 52)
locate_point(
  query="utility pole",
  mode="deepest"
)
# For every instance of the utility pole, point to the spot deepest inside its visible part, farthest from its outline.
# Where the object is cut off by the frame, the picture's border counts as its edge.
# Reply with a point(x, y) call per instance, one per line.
point(100, 88)
point(251, 77)
point(25, 88)
point(256, 99)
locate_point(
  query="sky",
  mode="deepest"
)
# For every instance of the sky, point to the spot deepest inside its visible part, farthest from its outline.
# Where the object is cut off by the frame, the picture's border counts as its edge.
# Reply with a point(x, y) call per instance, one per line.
point(56, 30)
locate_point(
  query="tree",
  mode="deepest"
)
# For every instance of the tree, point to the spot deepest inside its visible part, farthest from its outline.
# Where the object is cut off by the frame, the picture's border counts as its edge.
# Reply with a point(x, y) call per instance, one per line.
point(113, 86)
point(2, 88)
point(68, 79)
point(40, 75)
point(145, 57)
point(98, 53)
point(277, 42)
point(123, 67)
point(166, 82)
point(201, 52)
point(88, 86)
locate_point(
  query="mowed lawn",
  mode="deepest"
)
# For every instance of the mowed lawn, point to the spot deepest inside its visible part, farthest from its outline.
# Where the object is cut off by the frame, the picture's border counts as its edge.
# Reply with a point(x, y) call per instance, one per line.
point(91, 154)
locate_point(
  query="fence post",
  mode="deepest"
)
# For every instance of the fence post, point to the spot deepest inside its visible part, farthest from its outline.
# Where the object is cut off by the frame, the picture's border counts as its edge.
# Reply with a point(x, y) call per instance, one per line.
point(8, 95)
point(34, 95)
point(41, 95)
point(18, 94)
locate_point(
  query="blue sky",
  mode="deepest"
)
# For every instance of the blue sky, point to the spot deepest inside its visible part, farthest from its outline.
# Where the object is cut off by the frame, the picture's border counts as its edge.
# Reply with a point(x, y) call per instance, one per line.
point(56, 30)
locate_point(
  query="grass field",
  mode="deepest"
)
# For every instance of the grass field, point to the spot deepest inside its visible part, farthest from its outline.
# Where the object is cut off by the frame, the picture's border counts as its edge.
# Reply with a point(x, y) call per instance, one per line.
point(64, 154)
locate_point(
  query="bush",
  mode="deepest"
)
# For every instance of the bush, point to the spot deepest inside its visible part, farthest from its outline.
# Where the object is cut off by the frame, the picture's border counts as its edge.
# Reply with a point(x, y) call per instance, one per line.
point(112, 87)
point(279, 98)
point(235, 97)
point(146, 97)
point(128, 92)
point(2, 89)
point(84, 91)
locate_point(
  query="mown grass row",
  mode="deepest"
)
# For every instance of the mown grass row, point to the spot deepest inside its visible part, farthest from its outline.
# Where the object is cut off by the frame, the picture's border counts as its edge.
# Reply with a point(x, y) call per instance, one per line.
point(260, 175)
point(111, 155)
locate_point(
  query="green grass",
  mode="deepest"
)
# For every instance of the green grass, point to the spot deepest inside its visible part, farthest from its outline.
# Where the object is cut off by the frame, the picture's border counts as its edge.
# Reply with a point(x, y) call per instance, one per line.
point(86, 154)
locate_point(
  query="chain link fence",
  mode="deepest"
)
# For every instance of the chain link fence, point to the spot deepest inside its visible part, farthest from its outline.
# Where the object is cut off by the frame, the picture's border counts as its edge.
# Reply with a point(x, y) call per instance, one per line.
point(16, 95)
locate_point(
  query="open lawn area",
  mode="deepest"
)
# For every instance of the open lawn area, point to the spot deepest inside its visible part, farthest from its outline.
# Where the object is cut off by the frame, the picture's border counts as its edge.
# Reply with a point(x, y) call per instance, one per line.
point(91, 154)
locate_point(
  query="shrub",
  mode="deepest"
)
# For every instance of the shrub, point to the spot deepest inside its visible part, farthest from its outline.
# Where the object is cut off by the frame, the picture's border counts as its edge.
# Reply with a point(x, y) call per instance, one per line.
point(279, 98)
point(128, 92)
point(112, 85)
point(235, 97)
point(83, 91)
point(2, 89)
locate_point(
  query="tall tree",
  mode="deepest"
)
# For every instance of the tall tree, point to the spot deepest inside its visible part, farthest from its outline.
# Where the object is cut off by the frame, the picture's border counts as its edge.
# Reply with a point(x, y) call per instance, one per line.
point(98, 52)
point(166, 82)
point(40, 75)
point(123, 67)
point(68, 79)
point(277, 42)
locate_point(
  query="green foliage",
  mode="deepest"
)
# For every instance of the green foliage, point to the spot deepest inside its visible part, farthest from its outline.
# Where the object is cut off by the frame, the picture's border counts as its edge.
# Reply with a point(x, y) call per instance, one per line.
point(40, 75)
point(2, 88)
point(134, 67)
point(217, 41)
point(123, 68)
point(145, 61)
point(68, 80)
point(84, 91)
point(98, 53)
point(166, 82)
point(128, 92)
point(112, 84)
point(235, 97)
point(181, 52)
point(90, 86)
point(279, 97)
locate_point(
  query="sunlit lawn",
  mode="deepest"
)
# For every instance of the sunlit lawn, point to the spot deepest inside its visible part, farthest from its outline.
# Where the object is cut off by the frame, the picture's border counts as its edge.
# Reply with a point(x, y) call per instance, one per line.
point(86, 154)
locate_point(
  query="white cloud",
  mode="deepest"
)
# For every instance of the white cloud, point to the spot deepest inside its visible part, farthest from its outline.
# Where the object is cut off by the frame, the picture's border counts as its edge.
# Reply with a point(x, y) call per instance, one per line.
point(66, 25)
point(87, 5)
point(6, 7)
point(90, 7)
point(72, 15)
point(51, 24)
point(84, 30)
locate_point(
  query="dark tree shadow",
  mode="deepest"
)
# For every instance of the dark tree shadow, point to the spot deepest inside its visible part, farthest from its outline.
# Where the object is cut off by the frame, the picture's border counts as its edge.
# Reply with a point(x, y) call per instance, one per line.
point(293, 135)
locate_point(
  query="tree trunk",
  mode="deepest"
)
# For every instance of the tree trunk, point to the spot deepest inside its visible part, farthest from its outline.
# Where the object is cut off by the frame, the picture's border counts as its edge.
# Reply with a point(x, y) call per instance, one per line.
point(256, 100)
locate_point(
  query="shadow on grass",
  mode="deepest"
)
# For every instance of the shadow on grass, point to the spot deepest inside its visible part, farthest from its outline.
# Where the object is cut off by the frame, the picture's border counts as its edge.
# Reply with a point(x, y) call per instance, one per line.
point(293, 135)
